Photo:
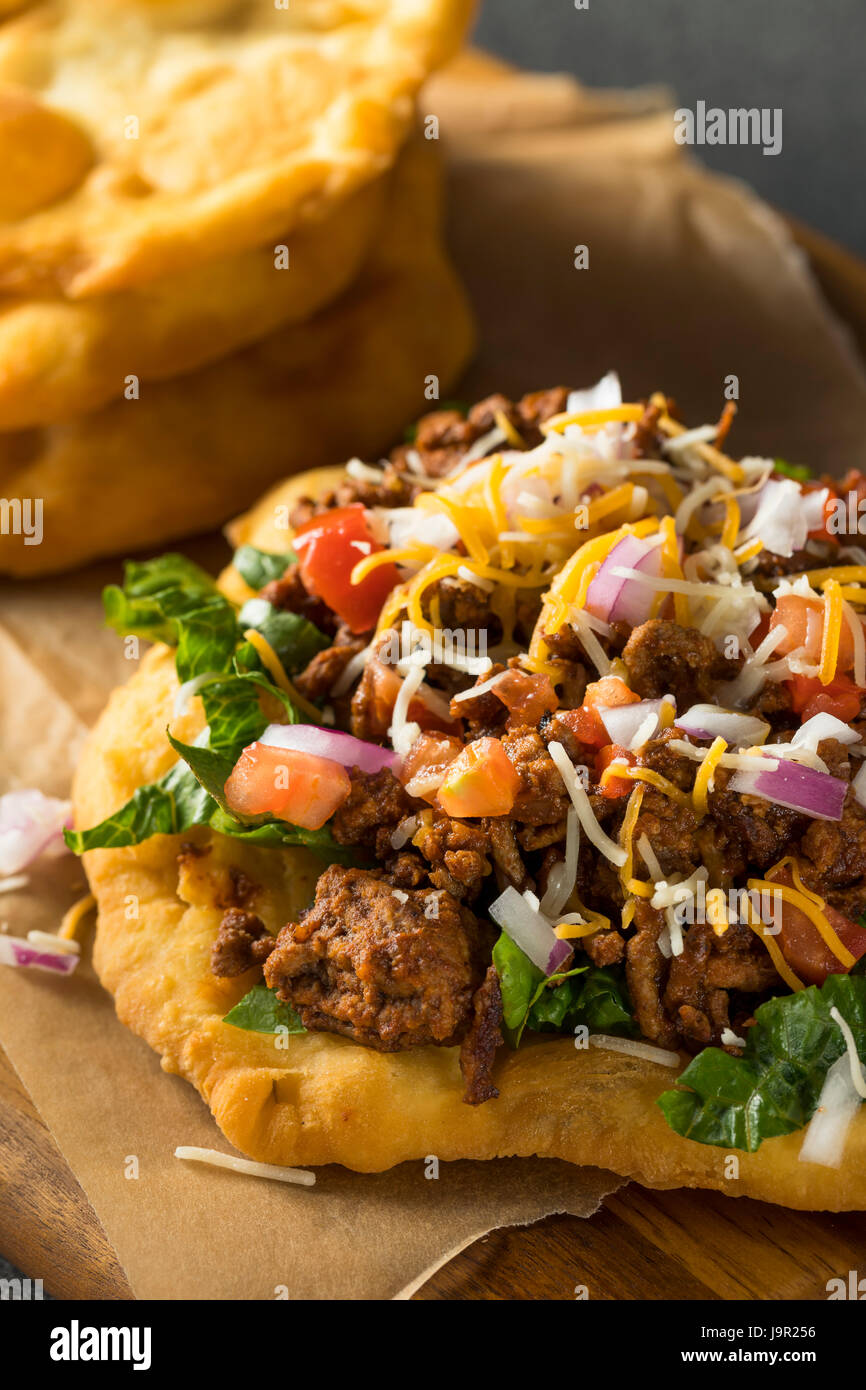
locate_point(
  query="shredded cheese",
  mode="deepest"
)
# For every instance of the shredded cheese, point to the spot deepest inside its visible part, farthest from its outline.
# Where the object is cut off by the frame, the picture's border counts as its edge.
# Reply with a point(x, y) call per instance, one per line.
point(300, 1176)
point(74, 916)
point(594, 419)
point(810, 909)
point(580, 802)
point(853, 1056)
point(655, 779)
point(275, 667)
point(754, 921)
point(832, 631)
point(704, 778)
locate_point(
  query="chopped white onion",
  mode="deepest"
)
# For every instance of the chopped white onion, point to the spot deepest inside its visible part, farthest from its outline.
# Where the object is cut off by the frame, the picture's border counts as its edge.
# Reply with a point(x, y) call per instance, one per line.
point(30, 824)
point(604, 395)
point(730, 1038)
point(625, 722)
point(711, 721)
point(822, 726)
point(838, 1103)
point(529, 929)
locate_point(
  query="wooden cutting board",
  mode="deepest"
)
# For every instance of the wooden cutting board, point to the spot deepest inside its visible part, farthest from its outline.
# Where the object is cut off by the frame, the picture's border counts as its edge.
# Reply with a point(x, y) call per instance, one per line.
point(641, 1245)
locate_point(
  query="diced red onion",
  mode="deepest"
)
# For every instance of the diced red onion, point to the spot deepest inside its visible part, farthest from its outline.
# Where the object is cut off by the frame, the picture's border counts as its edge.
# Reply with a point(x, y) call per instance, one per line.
point(711, 721)
point(623, 721)
point(16, 952)
point(530, 930)
point(616, 599)
point(796, 786)
point(30, 824)
point(329, 743)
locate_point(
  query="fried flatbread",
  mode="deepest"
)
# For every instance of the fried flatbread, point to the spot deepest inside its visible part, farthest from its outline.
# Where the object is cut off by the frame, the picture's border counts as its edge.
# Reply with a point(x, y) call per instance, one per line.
point(61, 358)
point(164, 133)
point(319, 1098)
point(193, 450)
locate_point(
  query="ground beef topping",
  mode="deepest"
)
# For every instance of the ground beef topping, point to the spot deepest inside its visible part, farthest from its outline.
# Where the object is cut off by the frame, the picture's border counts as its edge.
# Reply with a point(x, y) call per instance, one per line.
point(243, 941)
point(391, 969)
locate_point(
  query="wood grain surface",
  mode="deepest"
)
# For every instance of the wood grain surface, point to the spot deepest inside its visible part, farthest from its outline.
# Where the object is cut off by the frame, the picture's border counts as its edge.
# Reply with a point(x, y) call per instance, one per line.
point(641, 1245)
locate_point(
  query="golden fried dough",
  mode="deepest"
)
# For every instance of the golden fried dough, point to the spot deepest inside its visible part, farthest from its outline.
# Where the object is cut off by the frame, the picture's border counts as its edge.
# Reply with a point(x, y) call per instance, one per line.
point(215, 127)
point(43, 155)
point(193, 450)
point(61, 357)
point(319, 1098)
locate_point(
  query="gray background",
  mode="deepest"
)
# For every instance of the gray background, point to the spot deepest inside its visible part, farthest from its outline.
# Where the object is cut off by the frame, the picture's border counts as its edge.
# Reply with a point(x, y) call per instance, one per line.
point(805, 56)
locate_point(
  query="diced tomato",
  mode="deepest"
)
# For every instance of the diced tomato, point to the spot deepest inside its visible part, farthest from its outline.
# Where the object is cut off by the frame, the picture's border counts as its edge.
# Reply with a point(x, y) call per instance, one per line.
point(482, 781)
point(803, 621)
point(803, 946)
point(526, 697)
point(841, 698)
point(424, 766)
point(297, 787)
point(616, 786)
point(328, 547)
point(586, 723)
point(380, 686)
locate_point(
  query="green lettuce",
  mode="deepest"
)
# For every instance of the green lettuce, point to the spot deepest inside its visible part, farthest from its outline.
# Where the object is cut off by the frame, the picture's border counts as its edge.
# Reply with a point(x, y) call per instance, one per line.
point(260, 1011)
point(170, 806)
point(260, 567)
point(293, 637)
point(738, 1102)
point(173, 600)
point(586, 995)
point(800, 471)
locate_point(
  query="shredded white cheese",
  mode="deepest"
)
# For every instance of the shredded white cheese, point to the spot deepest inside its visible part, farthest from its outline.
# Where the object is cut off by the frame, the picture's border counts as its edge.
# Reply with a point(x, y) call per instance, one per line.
point(853, 1056)
point(246, 1165)
point(579, 799)
point(635, 1049)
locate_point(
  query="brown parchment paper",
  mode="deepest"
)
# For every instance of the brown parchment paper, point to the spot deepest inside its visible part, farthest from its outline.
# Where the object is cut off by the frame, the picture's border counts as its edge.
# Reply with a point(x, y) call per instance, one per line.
point(691, 279)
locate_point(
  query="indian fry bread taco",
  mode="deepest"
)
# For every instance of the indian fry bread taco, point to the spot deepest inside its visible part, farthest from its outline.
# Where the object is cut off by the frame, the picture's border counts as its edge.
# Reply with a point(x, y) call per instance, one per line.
point(505, 798)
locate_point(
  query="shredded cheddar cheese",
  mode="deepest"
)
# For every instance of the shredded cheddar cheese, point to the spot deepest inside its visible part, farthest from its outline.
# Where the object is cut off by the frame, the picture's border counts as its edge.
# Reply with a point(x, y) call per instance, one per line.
point(594, 419)
point(655, 779)
point(758, 927)
point(704, 778)
point(832, 631)
point(74, 916)
point(275, 667)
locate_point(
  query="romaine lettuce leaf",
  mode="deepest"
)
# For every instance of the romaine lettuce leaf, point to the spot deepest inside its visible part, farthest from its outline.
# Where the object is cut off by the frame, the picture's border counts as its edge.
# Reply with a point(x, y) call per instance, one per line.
point(293, 637)
point(584, 995)
point(173, 600)
point(260, 567)
point(738, 1102)
point(175, 803)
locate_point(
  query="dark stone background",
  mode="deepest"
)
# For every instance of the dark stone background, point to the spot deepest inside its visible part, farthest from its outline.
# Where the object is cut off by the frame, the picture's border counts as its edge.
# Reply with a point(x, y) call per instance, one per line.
point(805, 56)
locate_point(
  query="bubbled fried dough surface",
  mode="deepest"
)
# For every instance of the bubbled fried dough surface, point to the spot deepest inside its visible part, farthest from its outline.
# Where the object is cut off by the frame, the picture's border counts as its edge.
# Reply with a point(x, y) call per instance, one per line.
point(246, 119)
